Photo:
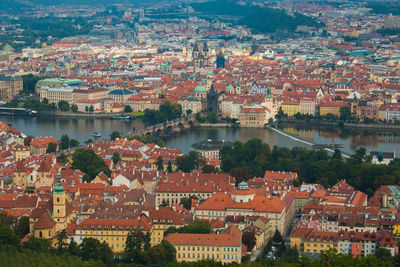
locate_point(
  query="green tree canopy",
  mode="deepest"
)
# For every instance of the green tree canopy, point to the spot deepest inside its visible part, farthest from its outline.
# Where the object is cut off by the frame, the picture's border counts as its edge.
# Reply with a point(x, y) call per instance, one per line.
point(63, 105)
point(91, 248)
point(64, 141)
point(51, 148)
point(116, 157)
point(89, 162)
point(114, 135)
point(128, 109)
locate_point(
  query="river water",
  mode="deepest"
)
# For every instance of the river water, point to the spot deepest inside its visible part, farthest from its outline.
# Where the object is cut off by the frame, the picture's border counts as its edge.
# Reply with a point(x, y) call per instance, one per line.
point(81, 129)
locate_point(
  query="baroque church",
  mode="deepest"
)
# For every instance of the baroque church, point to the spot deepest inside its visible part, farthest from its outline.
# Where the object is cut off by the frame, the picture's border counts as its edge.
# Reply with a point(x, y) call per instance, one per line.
point(48, 220)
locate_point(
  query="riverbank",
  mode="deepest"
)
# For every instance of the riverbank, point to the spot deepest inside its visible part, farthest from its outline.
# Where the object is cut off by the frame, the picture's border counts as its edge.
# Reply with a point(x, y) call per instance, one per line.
point(304, 141)
point(63, 114)
point(372, 126)
point(213, 124)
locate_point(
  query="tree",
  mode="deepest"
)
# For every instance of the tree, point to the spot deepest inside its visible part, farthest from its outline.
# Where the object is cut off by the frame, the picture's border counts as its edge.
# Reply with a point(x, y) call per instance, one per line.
point(89, 141)
point(90, 163)
point(195, 227)
point(169, 167)
point(249, 239)
point(160, 143)
point(209, 169)
point(37, 244)
point(8, 236)
point(188, 112)
point(51, 148)
point(128, 109)
point(28, 140)
point(337, 154)
point(74, 108)
point(135, 244)
point(167, 111)
point(187, 202)
point(114, 135)
point(212, 117)
point(91, 248)
point(61, 238)
point(161, 254)
point(64, 141)
point(63, 105)
point(116, 157)
point(62, 158)
point(187, 163)
point(160, 164)
point(22, 228)
point(86, 109)
point(91, 108)
point(345, 113)
point(73, 248)
point(383, 254)
point(29, 82)
point(164, 203)
point(73, 143)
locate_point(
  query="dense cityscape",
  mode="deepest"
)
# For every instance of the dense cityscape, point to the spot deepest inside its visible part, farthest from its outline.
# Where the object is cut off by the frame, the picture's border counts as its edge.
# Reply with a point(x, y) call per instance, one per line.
point(238, 133)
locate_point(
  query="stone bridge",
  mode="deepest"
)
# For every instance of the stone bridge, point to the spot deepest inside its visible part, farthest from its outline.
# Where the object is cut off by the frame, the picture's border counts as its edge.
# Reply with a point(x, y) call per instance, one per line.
point(166, 127)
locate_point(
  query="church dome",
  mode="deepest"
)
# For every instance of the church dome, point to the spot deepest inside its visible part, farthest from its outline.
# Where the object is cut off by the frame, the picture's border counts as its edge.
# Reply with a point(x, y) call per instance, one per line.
point(199, 89)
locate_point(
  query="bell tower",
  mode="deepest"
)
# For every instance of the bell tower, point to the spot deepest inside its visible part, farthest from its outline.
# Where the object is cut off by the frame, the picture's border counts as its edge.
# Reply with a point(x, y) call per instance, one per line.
point(59, 209)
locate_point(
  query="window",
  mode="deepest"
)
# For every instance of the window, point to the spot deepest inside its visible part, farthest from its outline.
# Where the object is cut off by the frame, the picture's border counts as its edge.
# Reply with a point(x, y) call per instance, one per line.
point(40, 234)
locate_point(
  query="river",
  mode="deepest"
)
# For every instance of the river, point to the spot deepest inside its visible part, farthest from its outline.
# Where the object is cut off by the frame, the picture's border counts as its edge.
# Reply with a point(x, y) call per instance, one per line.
point(81, 129)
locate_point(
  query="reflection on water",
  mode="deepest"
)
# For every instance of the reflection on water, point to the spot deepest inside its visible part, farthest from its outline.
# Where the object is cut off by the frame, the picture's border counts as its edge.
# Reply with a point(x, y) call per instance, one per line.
point(78, 128)
point(350, 138)
point(82, 129)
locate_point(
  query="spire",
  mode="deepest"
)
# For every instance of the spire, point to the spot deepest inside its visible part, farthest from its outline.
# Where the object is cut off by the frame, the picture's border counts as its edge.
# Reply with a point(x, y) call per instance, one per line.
point(58, 188)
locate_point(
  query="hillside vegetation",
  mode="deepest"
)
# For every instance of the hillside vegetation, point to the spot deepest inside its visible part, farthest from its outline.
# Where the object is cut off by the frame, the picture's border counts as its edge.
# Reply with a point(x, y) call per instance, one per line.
point(265, 20)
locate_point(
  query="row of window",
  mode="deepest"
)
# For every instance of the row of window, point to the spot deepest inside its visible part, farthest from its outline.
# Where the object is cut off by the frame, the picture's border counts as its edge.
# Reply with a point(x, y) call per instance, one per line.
point(203, 256)
point(322, 245)
point(105, 238)
point(225, 249)
point(105, 232)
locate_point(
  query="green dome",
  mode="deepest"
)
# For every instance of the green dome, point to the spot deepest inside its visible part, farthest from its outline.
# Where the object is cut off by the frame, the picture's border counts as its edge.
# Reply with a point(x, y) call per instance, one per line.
point(229, 87)
point(199, 89)
point(58, 188)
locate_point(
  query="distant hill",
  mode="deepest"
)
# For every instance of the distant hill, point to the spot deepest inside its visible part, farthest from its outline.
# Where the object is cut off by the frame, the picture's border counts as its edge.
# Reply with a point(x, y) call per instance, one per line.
point(265, 20)
point(11, 5)
point(89, 2)
point(385, 8)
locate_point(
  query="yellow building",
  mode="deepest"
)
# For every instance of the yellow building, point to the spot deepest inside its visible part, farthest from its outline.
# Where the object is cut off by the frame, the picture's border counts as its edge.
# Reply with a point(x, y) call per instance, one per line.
point(259, 235)
point(316, 242)
point(21, 152)
point(111, 231)
point(54, 95)
point(224, 247)
point(254, 116)
point(300, 199)
point(290, 108)
point(331, 107)
point(161, 220)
